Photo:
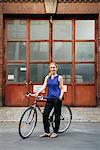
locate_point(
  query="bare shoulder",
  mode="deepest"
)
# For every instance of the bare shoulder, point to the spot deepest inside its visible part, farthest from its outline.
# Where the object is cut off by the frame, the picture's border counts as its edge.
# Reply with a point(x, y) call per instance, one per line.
point(60, 77)
point(46, 77)
point(45, 80)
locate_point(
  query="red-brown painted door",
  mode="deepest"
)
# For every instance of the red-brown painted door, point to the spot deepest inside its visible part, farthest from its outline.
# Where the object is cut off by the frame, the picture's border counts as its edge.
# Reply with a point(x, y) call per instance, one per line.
point(31, 44)
point(16, 62)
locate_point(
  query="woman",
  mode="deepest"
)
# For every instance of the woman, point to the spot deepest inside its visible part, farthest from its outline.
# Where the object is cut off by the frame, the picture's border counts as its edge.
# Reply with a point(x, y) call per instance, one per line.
point(55, 92)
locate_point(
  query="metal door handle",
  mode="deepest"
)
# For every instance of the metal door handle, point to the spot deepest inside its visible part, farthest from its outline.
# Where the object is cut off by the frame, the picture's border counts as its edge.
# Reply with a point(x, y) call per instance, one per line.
point(25, 82)
point(30, 82)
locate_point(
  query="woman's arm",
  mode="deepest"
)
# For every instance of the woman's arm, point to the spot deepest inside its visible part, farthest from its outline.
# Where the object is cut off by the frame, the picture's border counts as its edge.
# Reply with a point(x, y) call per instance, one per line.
point(43, 86)
point(61, 87)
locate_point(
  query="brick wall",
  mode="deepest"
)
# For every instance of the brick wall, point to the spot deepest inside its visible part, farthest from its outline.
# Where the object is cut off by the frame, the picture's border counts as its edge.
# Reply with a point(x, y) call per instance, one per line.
point(1, 47)
point(23, 8)
point(98, 62)
point(78, 8)
point(63, 8)
point(38, 8)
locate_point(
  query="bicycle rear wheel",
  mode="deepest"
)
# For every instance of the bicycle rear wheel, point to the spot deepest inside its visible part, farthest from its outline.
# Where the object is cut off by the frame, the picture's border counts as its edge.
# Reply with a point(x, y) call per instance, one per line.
point(27, 122)
point(65, 118)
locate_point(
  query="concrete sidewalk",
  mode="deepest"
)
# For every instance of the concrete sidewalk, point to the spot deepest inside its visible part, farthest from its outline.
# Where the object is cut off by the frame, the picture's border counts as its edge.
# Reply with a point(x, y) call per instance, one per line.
point(85, 114)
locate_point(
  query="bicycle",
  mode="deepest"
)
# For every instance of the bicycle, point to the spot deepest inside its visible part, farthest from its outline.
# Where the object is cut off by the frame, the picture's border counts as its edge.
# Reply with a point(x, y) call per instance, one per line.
point(28, 119)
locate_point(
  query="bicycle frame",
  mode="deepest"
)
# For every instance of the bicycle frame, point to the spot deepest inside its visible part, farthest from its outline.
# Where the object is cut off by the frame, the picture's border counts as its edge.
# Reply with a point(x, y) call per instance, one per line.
point(36, 106)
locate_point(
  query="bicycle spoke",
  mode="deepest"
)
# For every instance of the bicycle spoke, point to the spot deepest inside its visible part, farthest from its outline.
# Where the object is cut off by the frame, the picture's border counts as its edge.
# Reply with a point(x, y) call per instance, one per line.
point(65, 119)
point(27, 123)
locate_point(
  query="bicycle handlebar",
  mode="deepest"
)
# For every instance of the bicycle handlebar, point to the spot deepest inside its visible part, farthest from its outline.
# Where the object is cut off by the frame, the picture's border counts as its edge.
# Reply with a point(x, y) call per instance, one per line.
point(39, 97)
point(33, 95)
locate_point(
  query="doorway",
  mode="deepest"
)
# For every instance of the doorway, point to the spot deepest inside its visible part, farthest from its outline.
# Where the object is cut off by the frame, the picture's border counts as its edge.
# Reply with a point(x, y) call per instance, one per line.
point(31, 44)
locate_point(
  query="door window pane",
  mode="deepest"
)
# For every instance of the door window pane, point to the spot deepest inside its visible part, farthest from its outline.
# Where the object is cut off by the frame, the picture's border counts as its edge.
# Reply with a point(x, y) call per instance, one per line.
point(38, 72)
point(84, 73)
point(84, 51)
point(39, 30)
point(66, 71)
point(85, 29)
point(16, 29)
point(16, 73)
point(39, 51)
point(62, 30)
point(62, 51)
point(16, 51)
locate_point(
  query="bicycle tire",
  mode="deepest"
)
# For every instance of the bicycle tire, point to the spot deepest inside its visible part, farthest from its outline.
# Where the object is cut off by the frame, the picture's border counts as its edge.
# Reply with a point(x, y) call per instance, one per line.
point(65, 119)
point(27, 122)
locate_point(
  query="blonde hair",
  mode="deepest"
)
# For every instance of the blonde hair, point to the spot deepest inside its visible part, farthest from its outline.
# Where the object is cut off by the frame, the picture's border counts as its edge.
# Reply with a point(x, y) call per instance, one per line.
point(54, 64)
point(49, 67)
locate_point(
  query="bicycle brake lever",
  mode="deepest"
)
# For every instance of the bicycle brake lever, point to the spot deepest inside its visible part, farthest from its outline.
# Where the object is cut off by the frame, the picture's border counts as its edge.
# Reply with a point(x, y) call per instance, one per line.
point(40, 97)
point(27, 94)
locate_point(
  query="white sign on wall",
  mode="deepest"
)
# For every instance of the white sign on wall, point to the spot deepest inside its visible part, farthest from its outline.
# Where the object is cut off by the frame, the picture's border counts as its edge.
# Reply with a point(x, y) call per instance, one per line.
point(23, 69)
point(65, 88)
point(11, 77)
point(36, 88)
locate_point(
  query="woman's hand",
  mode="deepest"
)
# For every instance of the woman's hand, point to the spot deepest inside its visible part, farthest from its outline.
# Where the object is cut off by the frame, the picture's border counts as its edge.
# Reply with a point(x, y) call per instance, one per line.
point(60, 97)
point(36, 94)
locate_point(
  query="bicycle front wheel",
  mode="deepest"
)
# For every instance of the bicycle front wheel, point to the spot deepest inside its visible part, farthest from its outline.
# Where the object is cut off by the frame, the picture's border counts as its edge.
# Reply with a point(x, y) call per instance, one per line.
point(65, 119)
point(27, 122)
